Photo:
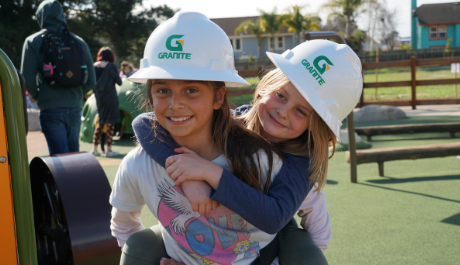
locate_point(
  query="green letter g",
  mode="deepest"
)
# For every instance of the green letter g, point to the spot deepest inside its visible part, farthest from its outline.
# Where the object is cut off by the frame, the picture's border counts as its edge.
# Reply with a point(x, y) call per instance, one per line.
point(178, 43)
point(323, 67)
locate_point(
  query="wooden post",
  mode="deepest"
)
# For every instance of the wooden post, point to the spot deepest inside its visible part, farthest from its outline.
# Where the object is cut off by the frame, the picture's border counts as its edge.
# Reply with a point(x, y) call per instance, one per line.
point(413, 81)
point(361, 100)
point(380, 169)
point(456, 69)
point(352, 148)
point(376, 73)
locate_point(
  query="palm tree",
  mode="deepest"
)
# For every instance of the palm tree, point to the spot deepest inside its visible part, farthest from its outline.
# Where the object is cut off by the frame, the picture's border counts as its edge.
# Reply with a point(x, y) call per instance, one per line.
point(347, 10)
point(297, 23)
point(271, 23)
point(252, 26)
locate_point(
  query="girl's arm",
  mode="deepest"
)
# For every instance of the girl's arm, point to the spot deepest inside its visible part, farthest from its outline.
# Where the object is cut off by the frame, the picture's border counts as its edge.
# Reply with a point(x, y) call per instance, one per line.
point(127, 202)
point(315, 218)
point(124, 224)
point(284, 197)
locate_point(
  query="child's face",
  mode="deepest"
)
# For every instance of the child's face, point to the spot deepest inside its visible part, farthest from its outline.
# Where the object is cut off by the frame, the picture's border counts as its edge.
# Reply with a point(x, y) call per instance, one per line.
point(284, 114)
point(184, 108)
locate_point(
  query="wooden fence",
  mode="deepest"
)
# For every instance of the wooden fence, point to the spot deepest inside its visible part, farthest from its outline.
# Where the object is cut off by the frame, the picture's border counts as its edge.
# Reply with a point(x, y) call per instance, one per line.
point(413, 63)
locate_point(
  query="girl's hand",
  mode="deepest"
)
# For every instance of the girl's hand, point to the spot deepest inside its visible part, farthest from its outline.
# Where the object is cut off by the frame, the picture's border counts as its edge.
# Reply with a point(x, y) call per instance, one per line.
point(190, 166)
point(197, 193)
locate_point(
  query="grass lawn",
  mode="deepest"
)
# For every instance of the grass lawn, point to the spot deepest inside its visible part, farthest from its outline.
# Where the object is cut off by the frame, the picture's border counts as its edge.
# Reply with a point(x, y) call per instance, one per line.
point(396, 74)
point(409, 216)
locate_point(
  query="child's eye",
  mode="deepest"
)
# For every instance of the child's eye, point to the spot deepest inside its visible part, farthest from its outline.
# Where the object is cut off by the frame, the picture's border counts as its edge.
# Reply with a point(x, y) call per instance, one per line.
point(302, 112)
point(281, 96)
point(162, 91)
point(191, 90)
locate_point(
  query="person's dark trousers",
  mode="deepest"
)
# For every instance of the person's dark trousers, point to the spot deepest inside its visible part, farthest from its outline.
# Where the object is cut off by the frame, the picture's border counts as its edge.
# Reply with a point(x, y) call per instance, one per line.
point(61, 127)
point(145, 247)
point(297, 247)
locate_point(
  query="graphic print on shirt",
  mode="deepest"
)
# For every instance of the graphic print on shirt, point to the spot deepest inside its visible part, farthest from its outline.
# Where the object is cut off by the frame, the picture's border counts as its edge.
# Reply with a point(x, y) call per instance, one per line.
point(218, 237)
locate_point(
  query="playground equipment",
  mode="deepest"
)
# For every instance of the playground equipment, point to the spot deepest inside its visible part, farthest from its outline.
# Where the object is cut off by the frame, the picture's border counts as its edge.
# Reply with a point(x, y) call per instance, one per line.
point(128, 101)
point(59, 214)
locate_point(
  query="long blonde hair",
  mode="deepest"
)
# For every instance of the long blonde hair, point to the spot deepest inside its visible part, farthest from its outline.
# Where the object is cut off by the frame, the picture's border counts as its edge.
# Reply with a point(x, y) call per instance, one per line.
point(314, 142)
point(237, 143)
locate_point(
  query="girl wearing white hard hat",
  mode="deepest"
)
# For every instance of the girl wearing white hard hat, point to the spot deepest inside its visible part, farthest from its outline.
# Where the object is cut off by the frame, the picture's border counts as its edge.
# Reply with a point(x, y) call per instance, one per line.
point(187, 65)
point(282, 114)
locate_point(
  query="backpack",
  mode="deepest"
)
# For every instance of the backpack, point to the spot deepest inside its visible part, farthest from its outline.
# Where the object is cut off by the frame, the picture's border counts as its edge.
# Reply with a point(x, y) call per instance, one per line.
point(64, 62)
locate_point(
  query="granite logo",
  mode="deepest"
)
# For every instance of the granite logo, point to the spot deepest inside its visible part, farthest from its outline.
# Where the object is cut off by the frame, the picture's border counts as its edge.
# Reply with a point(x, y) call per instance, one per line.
point(177, 48)
point(319, 69)
point(325, 67)
point(179, 43)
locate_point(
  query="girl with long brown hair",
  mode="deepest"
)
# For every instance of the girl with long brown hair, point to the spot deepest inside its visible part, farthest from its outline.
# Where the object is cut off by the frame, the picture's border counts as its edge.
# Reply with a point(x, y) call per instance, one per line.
point(194, 112)
point(282, 114)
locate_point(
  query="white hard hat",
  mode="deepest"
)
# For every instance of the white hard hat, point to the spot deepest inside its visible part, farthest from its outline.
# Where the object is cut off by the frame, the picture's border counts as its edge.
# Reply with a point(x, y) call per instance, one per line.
point(189, 46)
point(327, 74)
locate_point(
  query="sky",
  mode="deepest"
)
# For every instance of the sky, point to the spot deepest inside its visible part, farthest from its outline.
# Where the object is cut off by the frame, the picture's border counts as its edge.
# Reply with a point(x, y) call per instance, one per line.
point(241, 8)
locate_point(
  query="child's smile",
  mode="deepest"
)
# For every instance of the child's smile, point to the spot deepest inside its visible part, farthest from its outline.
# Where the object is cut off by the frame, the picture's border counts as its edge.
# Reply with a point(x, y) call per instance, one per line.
point(284, 114)
point(184, 108)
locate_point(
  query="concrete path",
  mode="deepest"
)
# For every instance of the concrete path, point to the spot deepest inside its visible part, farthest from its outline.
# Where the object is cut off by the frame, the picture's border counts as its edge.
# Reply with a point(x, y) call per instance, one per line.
point(36, 144)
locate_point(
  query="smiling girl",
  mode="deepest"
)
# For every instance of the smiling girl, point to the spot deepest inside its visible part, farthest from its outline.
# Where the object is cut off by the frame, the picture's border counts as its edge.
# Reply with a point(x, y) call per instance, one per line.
point(301, 116)
point(195, 113)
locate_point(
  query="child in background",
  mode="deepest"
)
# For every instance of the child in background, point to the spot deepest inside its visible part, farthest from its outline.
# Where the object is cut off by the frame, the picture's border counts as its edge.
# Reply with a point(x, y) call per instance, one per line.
point(195, 113)
point(276, 116)
point(103, 133)
point(127, 69)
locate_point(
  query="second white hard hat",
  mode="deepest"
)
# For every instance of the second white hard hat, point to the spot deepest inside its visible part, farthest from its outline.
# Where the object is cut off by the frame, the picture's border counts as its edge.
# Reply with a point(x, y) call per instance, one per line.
point(189, 46)
point(327, 74)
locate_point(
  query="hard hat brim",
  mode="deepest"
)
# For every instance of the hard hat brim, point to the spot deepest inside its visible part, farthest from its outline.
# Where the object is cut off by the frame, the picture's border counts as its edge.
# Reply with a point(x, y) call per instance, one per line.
point(303, 85)
point(231, 78)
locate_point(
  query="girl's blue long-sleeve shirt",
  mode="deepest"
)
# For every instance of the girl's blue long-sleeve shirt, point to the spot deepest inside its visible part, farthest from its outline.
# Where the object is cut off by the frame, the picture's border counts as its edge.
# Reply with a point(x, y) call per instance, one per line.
point(270, 212)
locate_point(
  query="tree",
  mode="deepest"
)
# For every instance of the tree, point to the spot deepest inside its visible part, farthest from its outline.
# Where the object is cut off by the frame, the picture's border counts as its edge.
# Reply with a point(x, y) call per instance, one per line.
point(114, 22)
point(347, 10)
point(388, 33)
point(254, 27)
point(356, 40)
point(298, 23)
point(271, 23)
point(98, 22)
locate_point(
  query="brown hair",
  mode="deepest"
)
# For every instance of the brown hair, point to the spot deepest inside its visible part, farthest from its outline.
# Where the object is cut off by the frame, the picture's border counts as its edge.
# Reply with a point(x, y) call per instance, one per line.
point(238, 144)
point(105, 54)
point(314, 142)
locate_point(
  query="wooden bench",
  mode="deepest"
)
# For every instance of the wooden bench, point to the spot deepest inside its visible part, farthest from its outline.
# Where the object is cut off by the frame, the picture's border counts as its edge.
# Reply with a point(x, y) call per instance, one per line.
point(369, 131)
point(380, 155)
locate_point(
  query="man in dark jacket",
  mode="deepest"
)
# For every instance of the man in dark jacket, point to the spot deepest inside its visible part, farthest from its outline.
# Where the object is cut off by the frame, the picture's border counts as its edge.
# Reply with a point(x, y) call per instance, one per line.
point(60, 107)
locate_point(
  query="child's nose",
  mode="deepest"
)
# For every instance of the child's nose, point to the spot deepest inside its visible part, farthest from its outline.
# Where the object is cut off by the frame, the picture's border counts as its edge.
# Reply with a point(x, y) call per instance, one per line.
point(176, 103)
point(282, 112)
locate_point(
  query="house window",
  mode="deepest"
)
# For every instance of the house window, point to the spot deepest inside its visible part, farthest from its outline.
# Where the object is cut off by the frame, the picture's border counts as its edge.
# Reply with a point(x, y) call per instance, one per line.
point(237, 44)
point(279, 43)
point(438, 32)
point(442, 32)
point(433, 32)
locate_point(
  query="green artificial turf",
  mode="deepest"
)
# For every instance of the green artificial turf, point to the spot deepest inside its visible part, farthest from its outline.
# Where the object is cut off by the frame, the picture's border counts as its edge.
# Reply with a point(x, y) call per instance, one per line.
point(409, 216)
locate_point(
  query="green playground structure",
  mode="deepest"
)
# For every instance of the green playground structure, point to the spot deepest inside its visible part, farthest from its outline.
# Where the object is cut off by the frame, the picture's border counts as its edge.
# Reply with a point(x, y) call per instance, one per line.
point(130, 96)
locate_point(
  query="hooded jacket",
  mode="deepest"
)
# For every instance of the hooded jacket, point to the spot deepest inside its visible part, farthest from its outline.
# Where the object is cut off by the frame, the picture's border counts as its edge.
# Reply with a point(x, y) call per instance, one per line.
point(50, 16)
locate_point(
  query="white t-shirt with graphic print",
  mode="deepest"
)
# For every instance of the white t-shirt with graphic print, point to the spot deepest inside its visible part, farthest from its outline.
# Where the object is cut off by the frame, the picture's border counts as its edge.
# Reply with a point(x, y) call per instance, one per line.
point(220, 237)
